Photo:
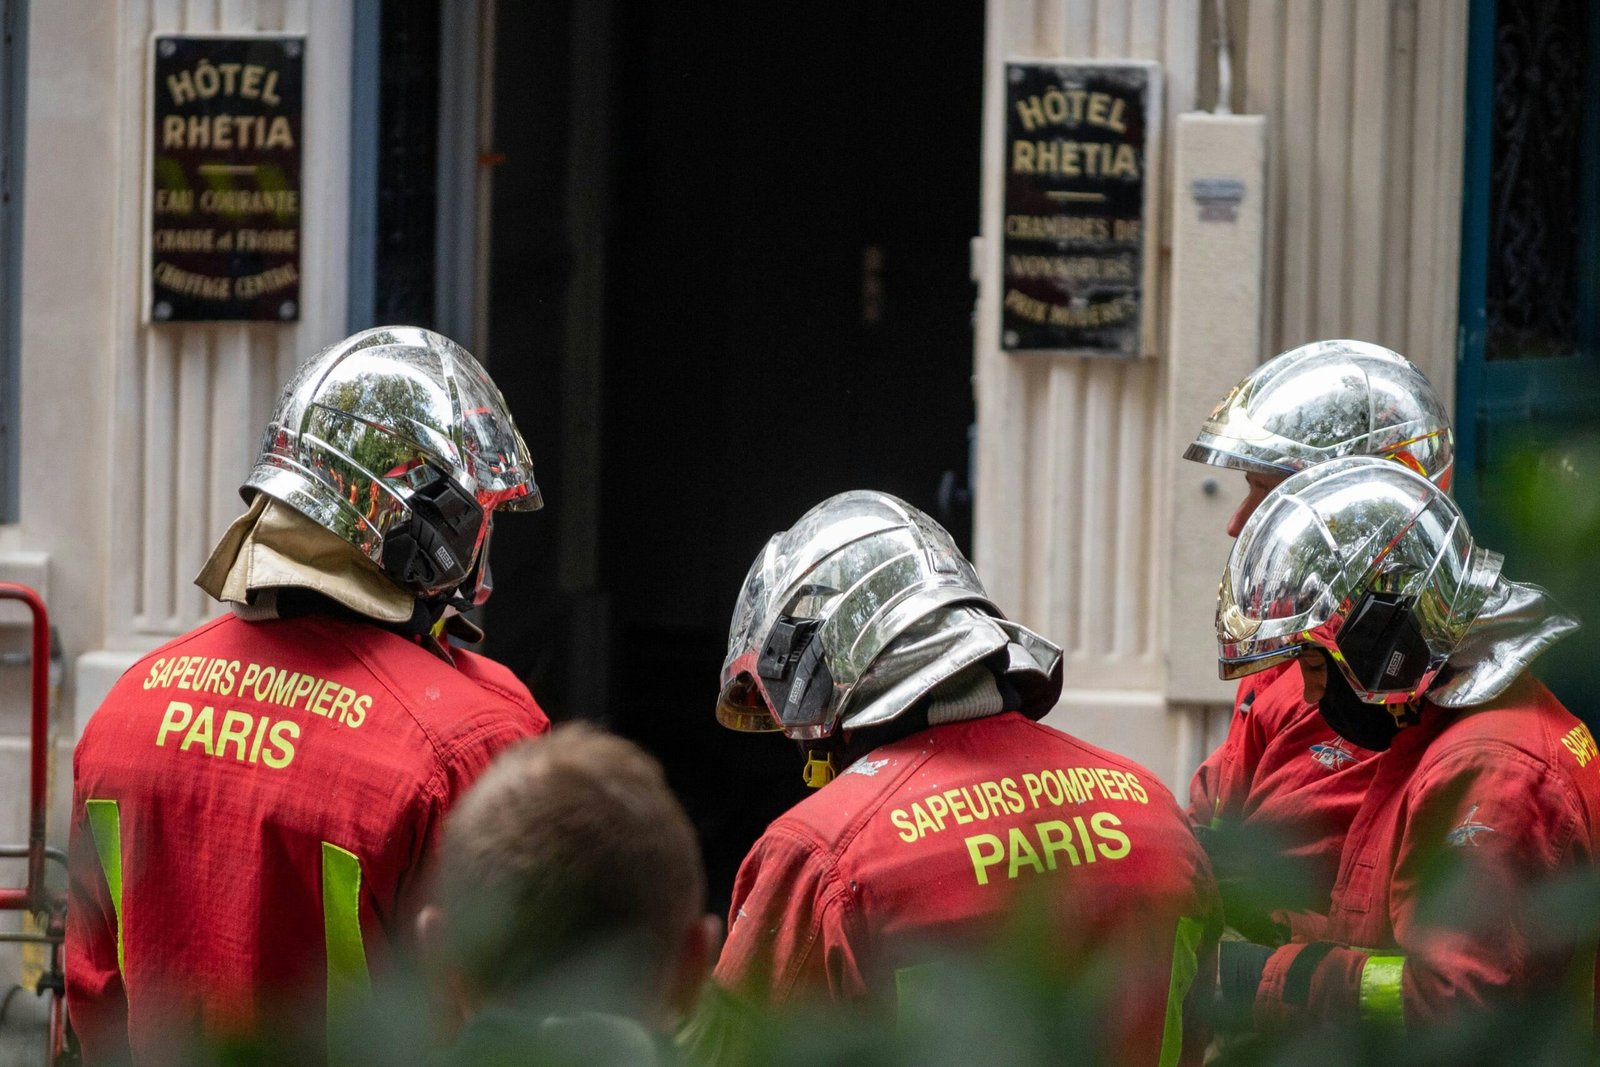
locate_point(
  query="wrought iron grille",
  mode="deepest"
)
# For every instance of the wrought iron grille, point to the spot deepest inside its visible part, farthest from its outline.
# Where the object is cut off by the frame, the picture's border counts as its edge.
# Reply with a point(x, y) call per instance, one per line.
point(1536, 210)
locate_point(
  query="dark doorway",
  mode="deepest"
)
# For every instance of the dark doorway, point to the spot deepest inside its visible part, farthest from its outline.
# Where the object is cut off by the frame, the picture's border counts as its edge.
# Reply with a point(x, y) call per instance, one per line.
point(787, 203)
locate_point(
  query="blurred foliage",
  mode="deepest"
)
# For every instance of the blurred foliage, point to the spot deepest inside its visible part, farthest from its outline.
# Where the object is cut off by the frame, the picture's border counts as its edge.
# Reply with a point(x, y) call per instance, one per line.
point(1548, 497)
point(1539, 503)
point(1018, 1003)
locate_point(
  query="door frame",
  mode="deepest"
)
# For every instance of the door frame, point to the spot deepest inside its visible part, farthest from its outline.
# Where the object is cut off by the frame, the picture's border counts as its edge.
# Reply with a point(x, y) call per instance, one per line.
point(1504, 388)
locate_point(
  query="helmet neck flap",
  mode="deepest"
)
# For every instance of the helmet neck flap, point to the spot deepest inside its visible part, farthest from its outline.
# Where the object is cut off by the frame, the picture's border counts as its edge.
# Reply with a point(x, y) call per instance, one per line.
point(1518, 623)
point(274, 563)
point(273, 547)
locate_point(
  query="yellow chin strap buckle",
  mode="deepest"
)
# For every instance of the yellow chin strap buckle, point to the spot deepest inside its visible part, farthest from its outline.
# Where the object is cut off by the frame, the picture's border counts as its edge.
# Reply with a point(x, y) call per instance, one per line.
point(819, 770)
point(1408, 714)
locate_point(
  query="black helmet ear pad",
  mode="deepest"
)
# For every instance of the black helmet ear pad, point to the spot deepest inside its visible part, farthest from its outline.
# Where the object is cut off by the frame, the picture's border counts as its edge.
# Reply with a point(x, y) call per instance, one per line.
point(1383, 644)
point(794, 670)
point(434, 549)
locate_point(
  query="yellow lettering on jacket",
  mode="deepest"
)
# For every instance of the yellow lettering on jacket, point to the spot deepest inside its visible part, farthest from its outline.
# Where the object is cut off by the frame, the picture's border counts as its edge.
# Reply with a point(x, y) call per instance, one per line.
point(978, 802)
point(1580, 742)
point(239, 736)
point(1047, 846)
point(263, 683)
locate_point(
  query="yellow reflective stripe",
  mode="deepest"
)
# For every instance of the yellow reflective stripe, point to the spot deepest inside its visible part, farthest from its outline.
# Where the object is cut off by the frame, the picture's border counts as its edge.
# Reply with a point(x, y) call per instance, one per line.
point(1381, 1000)
point(341, 925)
point(105, 824)
point(1185, 964)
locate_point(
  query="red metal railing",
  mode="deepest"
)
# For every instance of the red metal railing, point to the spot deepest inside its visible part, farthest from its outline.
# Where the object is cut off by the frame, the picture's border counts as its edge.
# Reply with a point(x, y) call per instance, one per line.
point(34, 896)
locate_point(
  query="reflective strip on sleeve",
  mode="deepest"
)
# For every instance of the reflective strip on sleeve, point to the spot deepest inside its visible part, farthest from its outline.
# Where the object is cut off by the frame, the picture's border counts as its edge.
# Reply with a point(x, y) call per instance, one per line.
point(105, 824)
point(1381, 1000)
point(341, 925)
point(1185, 964)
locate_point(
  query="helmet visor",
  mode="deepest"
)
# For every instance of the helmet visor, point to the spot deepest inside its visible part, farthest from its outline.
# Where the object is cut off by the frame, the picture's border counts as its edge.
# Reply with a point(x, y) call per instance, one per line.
point(1235, 436)
point(492, 448)
point(740, 706)
point(1231, 670)
point(751, 608)
point(1278, 586)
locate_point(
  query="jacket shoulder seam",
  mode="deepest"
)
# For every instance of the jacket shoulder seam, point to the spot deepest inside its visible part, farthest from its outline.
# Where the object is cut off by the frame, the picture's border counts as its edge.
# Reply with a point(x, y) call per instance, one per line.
point(442, 749)
point(854, 828)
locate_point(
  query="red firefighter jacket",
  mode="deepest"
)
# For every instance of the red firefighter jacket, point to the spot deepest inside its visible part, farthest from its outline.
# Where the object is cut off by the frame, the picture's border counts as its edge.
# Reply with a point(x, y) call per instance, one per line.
point(1469, 814)
point(1285, 777)
point(254, 806)
point(930, 841)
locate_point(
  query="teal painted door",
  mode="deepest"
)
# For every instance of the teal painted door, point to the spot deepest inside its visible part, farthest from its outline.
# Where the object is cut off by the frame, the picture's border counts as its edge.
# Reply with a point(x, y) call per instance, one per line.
point(1528, 379)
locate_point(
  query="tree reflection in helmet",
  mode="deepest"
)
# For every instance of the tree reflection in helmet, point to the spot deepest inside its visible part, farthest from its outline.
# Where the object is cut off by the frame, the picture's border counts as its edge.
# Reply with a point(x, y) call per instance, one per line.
point(1326, 400)
point(1362, 558)
point(395, 437)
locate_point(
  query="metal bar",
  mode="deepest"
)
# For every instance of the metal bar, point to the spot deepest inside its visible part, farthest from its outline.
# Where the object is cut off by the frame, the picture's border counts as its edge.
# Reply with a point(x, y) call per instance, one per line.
point(33, 895)
point(13, 112)
point(28, 939)
point(1328, 304)
point(20, 852)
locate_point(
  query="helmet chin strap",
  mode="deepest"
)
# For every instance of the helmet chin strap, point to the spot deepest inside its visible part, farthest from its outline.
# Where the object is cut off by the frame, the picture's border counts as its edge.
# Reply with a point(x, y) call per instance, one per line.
point(821, 767)
point(1371, 726)
point(434, 619)
point(974, 693)
point(462, 602)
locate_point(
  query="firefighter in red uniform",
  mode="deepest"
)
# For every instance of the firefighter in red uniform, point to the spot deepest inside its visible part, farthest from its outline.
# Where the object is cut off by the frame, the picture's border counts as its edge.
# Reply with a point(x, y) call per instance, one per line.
point(1485, 790)
point(256, 802)
point(1274, 801)
point(864, 633)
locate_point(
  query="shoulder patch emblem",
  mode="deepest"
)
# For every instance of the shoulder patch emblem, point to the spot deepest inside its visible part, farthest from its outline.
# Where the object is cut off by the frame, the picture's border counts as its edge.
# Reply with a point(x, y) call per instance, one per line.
point(868, 767)
point(1332, 754)
point(1469, 831)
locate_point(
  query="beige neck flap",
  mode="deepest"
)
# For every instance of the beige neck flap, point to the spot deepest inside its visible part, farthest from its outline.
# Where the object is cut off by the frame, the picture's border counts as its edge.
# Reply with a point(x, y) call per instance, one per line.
point(272, 546)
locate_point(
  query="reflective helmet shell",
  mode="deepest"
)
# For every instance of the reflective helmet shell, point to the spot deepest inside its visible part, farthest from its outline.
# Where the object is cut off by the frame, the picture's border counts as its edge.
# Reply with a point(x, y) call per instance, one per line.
point(1333, 541)
point(892, 608)
point(1325, 400)
point(369, 421)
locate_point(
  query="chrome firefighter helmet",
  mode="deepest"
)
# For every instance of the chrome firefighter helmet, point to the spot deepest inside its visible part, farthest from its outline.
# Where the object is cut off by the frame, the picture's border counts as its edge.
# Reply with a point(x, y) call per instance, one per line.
point(1325, 400)
point(396, 440)
point(856, 613)
point(1363, 559)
